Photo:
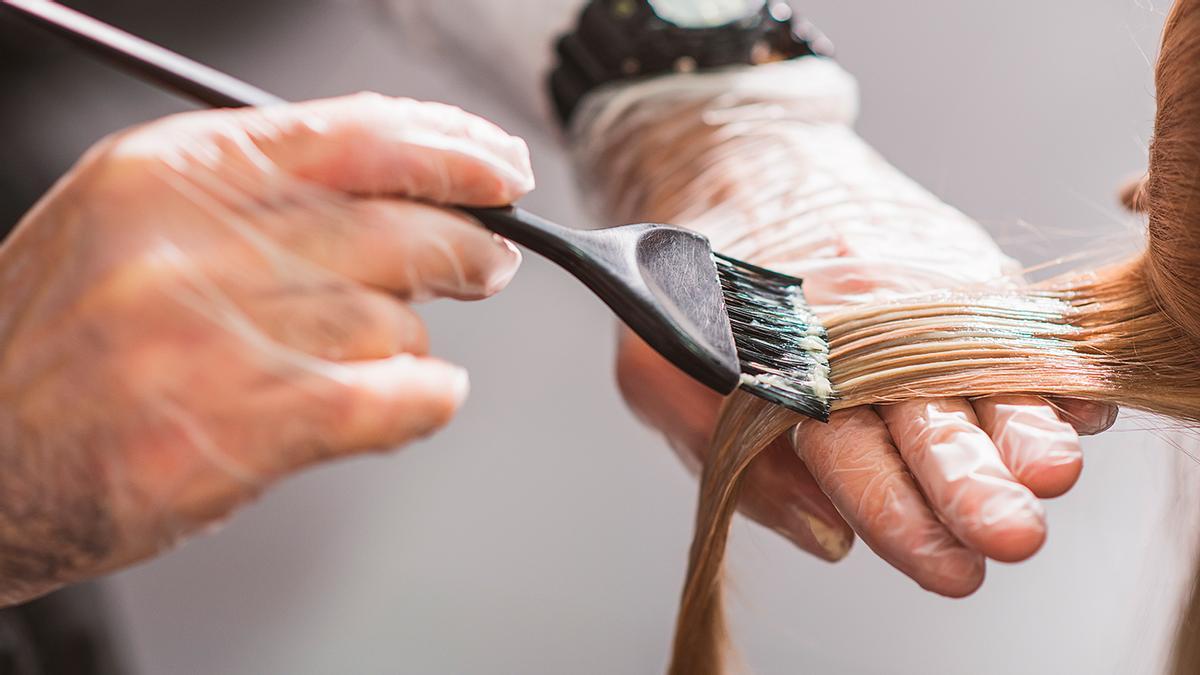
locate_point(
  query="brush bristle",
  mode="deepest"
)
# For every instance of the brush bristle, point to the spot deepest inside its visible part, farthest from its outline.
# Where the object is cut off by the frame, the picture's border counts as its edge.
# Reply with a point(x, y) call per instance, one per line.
point(782, 347)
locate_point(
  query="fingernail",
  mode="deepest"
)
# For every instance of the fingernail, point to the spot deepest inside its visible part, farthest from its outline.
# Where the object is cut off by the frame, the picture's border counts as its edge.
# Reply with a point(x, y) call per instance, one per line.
point(509, 248)
point(460, 384)
point(1110, 419)
point(805, 528)
point(832, 540)
point(503, 272)
point(1085, 418)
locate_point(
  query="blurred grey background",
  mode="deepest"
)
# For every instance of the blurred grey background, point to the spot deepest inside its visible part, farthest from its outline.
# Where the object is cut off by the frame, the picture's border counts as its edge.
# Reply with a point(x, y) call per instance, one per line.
point(545, 532)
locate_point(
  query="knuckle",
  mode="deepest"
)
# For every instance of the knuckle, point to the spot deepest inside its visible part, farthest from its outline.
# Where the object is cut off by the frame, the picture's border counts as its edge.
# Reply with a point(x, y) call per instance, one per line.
point(156, 139)
point(136, 282)
point(883, 508)
point(368, 99)
point(443, 111)
point(132, 164)
point(444, 117)
point(120, 164)
point(368, 107)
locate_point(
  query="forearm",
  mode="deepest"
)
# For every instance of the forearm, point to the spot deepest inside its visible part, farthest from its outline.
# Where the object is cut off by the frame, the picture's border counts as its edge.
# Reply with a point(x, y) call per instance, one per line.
point(54, 527)
point(766, 164)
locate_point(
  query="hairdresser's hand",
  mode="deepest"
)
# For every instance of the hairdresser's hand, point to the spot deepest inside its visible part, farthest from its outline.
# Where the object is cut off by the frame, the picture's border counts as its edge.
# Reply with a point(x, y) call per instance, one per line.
point(210, 302)
point(935, 487)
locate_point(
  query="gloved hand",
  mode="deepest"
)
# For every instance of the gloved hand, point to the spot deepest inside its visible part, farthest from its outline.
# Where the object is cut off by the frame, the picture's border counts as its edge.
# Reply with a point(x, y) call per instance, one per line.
point(207, 303)
point(764, 161)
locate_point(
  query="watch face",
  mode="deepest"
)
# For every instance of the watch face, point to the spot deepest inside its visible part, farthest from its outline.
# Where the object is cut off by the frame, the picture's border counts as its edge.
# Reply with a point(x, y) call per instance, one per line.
point(704, 13)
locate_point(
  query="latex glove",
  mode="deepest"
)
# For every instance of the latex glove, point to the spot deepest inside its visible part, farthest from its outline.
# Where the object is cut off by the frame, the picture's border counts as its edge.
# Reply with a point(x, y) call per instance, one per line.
point(763, 161)
point(212, 301)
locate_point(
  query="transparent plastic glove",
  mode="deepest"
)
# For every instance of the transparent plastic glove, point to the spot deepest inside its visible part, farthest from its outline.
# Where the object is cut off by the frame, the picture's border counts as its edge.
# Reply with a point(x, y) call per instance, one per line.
point(764, 161)
point(209, 302)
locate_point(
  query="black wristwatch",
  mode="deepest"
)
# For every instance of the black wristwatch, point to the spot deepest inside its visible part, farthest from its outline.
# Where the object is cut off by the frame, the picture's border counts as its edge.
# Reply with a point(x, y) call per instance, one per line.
point(617, 40)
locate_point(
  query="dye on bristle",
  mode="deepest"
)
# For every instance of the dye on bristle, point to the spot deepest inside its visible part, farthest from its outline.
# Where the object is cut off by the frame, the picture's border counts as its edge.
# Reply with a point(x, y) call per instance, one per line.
point(782, 347)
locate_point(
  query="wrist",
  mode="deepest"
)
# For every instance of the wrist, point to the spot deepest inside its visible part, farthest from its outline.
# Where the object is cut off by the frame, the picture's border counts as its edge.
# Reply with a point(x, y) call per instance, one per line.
point(675, 147)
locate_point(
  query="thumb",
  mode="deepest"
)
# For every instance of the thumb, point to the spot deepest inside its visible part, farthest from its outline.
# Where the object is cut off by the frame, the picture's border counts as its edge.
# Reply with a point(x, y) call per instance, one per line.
point(781, 494)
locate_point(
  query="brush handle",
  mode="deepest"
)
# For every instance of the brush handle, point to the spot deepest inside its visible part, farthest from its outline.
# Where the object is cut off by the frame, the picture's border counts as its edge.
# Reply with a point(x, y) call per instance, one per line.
point(145, 59)
point(565, 246)
point(604, 260)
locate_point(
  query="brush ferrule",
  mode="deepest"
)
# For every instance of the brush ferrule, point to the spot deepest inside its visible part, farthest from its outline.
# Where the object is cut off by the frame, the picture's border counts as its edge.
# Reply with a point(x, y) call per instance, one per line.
point(782, 347)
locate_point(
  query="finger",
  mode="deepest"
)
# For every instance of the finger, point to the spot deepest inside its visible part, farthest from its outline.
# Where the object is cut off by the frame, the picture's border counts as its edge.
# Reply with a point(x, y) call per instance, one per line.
point(375, 145)
point(1040, 450)
point(365, 144)
point(1088, 417)
point(665, 398)
point(399, 400)
point(408, 248)
point(345, 409)
point(960, 471)
point(337, 320)
point(855, 463)
point(779, 493)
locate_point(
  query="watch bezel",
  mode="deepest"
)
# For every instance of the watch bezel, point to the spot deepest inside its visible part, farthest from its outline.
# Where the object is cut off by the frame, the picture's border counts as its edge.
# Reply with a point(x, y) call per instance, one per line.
point(663, 11)
point(621, 40)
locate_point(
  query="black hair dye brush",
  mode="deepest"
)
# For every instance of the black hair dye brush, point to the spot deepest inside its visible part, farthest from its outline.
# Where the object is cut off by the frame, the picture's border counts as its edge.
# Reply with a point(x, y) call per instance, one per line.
point(724, 322)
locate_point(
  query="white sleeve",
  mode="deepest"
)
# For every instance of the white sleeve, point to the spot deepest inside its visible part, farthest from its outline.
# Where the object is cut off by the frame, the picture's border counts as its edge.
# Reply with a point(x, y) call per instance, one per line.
point(506, 45)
